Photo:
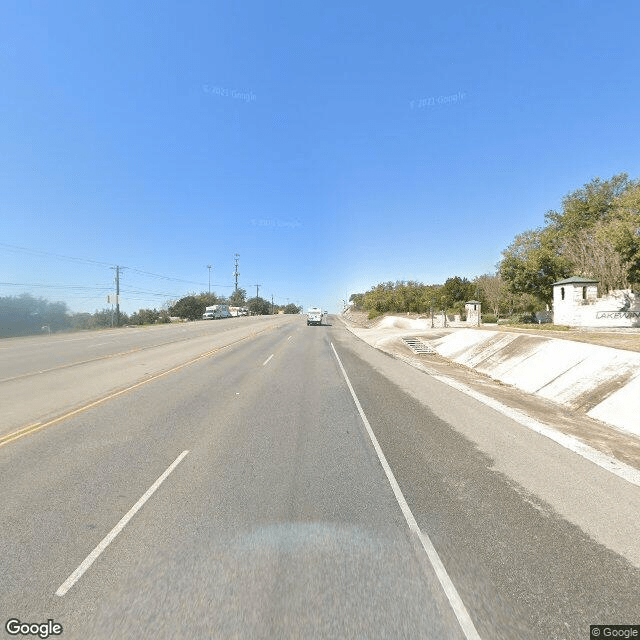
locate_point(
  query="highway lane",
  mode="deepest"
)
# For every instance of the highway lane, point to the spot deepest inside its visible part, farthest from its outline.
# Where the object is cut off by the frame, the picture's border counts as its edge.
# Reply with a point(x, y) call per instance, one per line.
point(33, 355)
point(52, 380)
point(280, 522)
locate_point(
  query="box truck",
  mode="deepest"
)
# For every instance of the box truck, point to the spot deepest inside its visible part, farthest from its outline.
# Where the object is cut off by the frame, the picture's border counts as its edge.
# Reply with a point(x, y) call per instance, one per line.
point(216, 311)
point(314, 316)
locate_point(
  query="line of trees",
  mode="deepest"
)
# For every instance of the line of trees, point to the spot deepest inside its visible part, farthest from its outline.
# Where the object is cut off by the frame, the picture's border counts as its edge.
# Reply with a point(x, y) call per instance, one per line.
point(410, 296)
point(25, 314)
point(414, 297)
point(192, 306)
point(596, 234)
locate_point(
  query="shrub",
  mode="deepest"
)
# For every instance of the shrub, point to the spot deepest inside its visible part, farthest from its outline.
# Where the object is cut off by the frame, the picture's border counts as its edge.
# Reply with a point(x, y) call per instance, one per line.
point(522, 318)
point(489, 318)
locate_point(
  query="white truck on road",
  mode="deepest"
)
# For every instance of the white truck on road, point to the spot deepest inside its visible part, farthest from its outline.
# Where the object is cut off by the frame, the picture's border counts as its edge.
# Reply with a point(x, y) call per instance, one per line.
point(216, 311)
point(314, 316)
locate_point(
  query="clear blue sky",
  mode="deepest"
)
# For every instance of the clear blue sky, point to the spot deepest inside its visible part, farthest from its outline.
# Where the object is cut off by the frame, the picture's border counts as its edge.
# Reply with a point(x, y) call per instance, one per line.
point(320, 141)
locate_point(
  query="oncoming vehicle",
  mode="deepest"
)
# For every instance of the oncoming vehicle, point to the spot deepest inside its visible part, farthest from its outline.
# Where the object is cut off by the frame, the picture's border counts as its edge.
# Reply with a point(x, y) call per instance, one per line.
point(216, 311)
point(314, 316)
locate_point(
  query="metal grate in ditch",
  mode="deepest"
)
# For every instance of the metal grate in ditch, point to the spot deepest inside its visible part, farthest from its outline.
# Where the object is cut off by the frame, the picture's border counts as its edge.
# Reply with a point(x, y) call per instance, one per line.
point(417, 346)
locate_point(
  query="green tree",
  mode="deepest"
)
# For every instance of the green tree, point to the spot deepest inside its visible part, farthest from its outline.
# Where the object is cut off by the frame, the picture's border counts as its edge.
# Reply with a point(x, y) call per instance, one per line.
point(627, 211)
point(103, 318)
point(238, 298)
point(259, 306)
point(358, 301)
point(398, 297)
point(455, 292)
point(149, 316)
point(584, 207)
point(24, 314)
point(292, 308)
point(81, 321)
point(209, 299)
point(531, 264)
point(491, 291)
point(431, 301)
point(190, 307)
point(596, 231)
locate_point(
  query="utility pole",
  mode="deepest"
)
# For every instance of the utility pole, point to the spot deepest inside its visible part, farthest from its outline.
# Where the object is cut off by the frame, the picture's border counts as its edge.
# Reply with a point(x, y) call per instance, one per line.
point(117, 270)
point(117, 296)
point(257, 288)
point(272, 304)
point(236, 271)
point(209, 267)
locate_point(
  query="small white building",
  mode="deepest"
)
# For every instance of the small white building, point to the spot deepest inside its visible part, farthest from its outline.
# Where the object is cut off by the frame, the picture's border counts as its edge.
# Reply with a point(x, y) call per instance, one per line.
point(576, 304)
point(473, 309)
point(570, 294)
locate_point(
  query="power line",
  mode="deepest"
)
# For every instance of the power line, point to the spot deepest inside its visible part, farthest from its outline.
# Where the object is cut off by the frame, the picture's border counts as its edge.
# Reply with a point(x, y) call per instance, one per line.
point(71, 290)
point(157, 275)
point(142, 292)
point(57, 286)
point(59, 256)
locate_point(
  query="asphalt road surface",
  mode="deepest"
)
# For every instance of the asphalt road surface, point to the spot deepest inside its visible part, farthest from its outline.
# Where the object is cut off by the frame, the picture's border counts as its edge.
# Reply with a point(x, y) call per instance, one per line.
point(258, 478)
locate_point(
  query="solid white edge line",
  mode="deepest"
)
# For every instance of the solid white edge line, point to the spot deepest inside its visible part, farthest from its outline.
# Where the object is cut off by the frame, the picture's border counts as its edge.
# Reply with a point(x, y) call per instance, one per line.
point(573, 444)
point(106, 541)
point(267, 360)
point(620, 469)
point(461, 613)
